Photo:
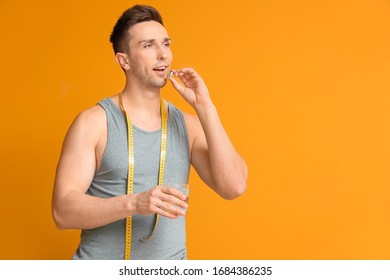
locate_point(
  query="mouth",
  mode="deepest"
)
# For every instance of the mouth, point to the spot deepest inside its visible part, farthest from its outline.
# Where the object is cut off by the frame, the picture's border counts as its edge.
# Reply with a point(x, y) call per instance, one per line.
point(160, 69)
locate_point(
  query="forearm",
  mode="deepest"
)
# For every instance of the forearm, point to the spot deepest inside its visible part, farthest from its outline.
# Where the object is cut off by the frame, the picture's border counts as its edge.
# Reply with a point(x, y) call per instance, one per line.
point(76, 210)
point(227, 167)
point(214, 157)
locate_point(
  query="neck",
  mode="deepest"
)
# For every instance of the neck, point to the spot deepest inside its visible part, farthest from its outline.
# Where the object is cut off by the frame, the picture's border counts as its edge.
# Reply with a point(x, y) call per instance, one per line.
point(141, 99)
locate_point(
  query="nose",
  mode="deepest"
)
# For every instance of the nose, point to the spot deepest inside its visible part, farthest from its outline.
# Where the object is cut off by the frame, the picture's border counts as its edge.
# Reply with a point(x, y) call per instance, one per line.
point(162, 53)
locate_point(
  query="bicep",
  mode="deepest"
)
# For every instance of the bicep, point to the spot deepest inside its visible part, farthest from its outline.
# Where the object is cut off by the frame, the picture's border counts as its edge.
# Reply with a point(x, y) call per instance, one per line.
point(199, 150)
point(77, 163)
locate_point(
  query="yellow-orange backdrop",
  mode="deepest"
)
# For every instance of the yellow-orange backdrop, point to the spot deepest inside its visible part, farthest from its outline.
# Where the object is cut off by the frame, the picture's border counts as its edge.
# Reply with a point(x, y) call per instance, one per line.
point(302, 88)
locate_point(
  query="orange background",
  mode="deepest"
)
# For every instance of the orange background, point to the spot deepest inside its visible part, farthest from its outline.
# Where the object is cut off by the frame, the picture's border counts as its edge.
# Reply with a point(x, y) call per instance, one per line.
point(302, 88)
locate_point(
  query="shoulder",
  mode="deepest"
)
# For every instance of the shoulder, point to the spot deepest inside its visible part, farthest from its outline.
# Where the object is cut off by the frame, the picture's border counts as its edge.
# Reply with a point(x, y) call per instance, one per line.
point(91, 118)
point(88, 124)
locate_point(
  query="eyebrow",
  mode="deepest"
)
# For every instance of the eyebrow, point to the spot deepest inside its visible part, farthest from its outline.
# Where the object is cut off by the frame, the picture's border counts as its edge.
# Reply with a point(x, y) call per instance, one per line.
point(153, 40)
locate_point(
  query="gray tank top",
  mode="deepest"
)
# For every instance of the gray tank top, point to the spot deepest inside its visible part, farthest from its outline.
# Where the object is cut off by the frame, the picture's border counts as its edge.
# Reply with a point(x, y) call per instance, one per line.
point(169, 239)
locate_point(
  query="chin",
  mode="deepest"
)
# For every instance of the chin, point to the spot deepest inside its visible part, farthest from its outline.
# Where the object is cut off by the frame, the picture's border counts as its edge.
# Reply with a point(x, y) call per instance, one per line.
point(159, 84)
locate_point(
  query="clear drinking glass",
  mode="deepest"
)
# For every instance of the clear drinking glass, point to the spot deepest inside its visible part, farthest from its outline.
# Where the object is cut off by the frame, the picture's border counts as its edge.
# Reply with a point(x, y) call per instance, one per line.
point(184, 188)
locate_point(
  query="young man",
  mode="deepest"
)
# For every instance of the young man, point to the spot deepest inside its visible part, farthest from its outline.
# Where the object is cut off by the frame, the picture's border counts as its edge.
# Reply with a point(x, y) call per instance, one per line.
point(119, 155)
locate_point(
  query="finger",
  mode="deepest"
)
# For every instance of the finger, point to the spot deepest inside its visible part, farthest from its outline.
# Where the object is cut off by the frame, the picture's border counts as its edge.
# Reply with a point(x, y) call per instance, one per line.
point(175, 202)
point(188, 71)
point(169, 191)
point(157, 192)
point(179, 87)
point(173, 210)
point(163, 212)
point(177, 198)
point(186, 74)
point(165, 208)
point(189, 79)
point(171, 200)
point(168, 210)
point(189, 75)
point(182, 77)
point(171, 196)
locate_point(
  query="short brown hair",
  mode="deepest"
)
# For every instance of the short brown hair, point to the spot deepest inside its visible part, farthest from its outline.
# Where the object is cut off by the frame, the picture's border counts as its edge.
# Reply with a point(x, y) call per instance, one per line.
point(139, 13)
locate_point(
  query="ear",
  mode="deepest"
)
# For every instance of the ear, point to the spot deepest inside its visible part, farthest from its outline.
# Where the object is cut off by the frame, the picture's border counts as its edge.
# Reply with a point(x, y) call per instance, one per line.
point(122, 60)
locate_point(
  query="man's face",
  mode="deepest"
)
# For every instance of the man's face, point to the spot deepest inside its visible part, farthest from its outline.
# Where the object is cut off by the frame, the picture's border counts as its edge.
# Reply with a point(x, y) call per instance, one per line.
point(149, 53)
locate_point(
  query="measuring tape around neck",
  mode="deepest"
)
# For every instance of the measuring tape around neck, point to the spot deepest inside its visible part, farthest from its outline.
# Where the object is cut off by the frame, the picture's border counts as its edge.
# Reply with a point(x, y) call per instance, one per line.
point(130, 175)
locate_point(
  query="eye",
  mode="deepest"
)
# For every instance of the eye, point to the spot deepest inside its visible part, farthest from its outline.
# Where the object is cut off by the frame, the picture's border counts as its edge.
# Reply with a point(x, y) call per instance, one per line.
point(167, 44)
point(147, 46)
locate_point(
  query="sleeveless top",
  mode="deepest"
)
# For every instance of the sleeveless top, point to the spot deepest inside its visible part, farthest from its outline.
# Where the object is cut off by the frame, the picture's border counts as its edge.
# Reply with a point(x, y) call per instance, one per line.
point(169, 238)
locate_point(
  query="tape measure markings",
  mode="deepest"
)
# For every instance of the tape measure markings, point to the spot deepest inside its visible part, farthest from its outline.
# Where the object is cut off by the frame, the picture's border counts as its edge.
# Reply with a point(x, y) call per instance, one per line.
point(130, 176)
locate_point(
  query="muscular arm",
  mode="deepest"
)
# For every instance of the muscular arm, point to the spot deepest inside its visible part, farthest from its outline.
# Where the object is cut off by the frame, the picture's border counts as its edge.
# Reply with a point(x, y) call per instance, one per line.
point(213, 155)
point(72, 207)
